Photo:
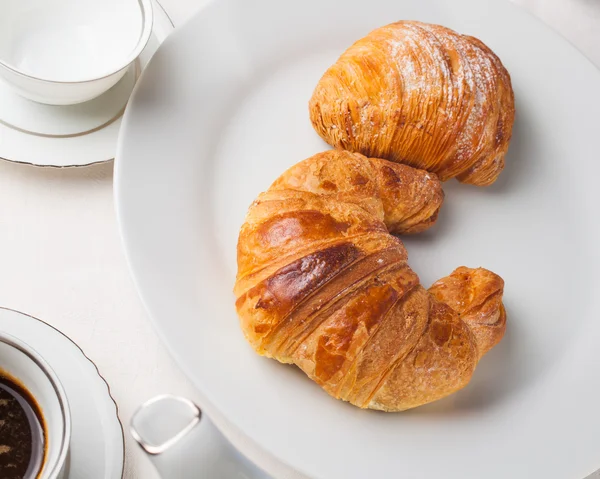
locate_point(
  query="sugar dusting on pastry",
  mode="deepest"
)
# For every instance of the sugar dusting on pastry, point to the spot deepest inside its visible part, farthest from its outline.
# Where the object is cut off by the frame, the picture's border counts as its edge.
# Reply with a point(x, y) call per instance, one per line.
point(422, 95)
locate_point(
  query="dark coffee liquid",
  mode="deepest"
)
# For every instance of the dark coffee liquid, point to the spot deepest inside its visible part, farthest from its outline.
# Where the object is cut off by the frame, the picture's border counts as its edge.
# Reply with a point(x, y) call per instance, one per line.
point(22, 437)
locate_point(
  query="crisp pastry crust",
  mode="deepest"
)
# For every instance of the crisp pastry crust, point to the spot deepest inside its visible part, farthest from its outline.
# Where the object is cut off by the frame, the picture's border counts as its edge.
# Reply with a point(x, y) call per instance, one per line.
point(322, 284)
point(422, 95)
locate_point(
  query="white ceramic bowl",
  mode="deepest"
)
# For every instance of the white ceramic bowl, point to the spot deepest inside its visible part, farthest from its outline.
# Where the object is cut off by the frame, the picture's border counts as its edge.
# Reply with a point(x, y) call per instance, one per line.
point(63, 52)
point(22, 362)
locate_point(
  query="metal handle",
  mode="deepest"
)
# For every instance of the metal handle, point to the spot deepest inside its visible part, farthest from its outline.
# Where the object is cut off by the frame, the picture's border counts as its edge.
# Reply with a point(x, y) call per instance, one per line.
point(183, 443)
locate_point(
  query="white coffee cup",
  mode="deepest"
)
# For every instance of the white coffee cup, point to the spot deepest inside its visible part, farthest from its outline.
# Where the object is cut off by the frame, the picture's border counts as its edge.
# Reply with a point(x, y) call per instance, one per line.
point(21, 362)
point(63, 52)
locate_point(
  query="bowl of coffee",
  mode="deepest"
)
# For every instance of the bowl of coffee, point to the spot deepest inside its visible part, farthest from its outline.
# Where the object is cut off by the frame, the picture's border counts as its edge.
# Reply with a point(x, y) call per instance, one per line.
point(35, 421)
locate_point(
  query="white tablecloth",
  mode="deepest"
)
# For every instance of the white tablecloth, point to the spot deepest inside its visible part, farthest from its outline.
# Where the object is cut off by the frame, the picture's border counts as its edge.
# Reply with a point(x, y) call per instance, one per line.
point(61, 258)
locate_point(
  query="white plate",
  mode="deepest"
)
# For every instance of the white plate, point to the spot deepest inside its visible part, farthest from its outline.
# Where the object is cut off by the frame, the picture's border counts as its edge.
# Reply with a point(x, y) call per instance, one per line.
point(97, 449)
point(222, 110)
point(76, 135)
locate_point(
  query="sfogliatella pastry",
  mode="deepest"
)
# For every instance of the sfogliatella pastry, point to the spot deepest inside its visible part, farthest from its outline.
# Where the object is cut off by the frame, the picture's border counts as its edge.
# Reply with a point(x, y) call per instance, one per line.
point(422, 95)
point(324, 285)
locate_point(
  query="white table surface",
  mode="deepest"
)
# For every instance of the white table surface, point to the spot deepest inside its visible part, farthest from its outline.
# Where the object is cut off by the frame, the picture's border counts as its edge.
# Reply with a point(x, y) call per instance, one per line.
point(61, 258)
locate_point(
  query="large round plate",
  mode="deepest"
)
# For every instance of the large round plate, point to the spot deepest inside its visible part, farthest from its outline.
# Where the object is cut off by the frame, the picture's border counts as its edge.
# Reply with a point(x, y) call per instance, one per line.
point(221, 111)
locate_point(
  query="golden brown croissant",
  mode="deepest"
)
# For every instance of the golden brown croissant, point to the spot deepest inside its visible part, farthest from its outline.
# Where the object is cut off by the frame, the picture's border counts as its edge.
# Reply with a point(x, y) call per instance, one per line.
point(423, 95)
point(324, 285)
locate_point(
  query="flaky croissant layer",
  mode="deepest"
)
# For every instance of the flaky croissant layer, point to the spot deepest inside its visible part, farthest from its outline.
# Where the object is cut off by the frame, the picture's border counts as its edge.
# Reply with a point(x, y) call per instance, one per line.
point(324, 285)
point(422, 95)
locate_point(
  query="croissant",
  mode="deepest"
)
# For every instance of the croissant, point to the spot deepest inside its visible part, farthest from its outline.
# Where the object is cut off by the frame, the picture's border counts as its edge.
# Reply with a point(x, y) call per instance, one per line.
point(323, 284)
point(422, 95)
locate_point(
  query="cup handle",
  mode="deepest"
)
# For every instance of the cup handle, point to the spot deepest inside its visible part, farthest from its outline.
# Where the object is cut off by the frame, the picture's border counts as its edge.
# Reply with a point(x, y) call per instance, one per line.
point(183, 443)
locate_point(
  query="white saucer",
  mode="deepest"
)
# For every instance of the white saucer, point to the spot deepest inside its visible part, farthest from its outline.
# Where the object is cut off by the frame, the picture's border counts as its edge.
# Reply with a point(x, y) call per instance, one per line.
point(97, 448)
point(77, 135)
